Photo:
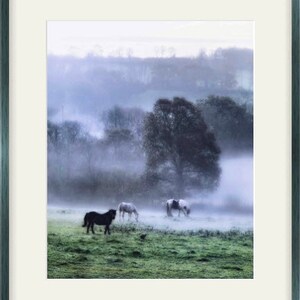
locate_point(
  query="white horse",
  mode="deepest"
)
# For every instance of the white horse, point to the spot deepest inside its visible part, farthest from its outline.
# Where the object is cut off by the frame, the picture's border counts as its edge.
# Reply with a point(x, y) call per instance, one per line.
point(181, 205)
point(129, 208)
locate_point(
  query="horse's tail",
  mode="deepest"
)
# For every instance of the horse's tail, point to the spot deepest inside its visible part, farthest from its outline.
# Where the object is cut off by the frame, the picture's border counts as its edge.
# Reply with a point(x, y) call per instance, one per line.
point(85, 220)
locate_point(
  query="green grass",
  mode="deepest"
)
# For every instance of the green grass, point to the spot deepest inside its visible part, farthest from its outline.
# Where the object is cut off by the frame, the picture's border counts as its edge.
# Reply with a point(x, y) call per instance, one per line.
point(202, 254)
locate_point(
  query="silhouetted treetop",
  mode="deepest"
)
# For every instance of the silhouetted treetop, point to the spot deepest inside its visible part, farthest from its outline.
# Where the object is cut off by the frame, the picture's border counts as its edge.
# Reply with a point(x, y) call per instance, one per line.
point(179, 147)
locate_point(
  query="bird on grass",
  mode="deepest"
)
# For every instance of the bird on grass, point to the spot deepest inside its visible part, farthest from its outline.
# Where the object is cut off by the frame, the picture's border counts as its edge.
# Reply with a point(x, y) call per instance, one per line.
point(143, 236)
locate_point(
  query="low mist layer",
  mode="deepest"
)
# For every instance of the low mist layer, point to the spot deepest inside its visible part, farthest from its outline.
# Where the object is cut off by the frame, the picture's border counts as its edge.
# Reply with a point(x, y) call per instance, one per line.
point(229, 207)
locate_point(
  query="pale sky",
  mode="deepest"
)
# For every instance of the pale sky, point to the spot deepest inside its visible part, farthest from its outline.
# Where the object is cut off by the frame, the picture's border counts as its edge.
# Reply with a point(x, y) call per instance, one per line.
point(146, 38)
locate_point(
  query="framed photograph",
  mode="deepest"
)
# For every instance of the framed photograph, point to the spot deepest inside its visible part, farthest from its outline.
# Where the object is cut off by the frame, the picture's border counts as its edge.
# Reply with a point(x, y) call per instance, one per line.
point(151, 147)
point(154, 166)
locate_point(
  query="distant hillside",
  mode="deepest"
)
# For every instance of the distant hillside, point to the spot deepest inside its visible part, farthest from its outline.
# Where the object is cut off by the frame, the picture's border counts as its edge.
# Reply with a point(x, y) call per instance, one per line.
point(87, 86)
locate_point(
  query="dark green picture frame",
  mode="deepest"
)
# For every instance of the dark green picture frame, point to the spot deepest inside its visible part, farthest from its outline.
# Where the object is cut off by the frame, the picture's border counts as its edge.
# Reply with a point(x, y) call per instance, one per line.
point(4, 185)
point(4, 150)
point(295, 150)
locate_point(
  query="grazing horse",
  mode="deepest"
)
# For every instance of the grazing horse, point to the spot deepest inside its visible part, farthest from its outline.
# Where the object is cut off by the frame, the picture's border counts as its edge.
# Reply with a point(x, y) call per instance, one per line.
point(180, 205)
point(92, 218)
point(129, 208)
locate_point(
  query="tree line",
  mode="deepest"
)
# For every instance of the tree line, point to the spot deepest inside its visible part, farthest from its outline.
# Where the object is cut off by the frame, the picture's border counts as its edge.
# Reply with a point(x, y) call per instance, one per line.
point(167, 152)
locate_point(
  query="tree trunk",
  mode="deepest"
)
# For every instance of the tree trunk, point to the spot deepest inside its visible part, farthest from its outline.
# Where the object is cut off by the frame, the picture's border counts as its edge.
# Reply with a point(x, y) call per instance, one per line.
point(179, 182)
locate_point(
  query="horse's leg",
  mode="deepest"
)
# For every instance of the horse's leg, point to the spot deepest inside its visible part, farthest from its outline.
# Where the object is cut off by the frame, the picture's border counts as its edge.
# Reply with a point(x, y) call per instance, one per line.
point(88, 228)
point(123, 213)
point(129, 216)
point(179, 212)
point(168, 211)
point(93, 228)
point(106, 229)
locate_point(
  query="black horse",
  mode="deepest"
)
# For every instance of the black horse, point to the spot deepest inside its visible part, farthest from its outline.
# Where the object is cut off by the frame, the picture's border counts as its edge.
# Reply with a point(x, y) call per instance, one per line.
point(92, 218)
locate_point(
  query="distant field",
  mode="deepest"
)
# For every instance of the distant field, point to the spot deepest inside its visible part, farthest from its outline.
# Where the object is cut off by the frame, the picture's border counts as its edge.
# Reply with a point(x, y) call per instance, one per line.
point(163, 254)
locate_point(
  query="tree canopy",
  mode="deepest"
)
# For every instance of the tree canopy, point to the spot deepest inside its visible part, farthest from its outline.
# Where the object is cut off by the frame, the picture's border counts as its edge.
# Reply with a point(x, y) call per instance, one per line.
point(180, 149)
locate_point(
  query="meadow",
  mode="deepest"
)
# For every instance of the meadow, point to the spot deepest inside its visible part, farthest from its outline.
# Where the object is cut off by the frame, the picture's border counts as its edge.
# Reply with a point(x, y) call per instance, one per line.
point(164, 253)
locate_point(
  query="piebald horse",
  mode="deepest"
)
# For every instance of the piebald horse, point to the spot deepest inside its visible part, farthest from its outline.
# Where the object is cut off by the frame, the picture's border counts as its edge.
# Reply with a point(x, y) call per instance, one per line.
point(128, 208)
point(181, 205)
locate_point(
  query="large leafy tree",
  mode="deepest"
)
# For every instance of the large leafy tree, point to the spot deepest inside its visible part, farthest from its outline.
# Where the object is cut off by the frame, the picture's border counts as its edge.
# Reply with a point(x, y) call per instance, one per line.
point(179, 147)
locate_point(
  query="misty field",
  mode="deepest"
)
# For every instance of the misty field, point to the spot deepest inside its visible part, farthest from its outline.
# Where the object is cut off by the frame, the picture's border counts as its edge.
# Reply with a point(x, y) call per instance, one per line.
point(162, 254)
point(158, 115)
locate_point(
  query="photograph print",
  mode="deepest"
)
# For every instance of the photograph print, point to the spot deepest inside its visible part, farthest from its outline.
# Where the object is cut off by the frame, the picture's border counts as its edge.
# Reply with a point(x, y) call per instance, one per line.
point(150, 149)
